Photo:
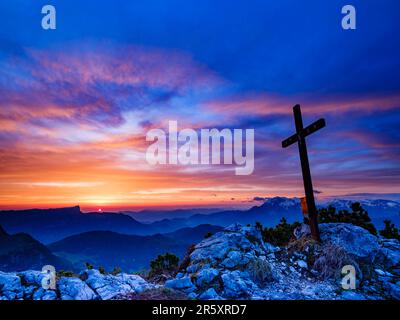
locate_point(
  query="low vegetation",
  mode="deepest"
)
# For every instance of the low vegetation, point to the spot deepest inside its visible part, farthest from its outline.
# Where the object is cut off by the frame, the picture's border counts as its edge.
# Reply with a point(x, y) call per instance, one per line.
point(358, 217)
point(64, 273)
point(260, 271)
point(330, 261)
point(166, 264)
point(390, 231)
point(280, 234)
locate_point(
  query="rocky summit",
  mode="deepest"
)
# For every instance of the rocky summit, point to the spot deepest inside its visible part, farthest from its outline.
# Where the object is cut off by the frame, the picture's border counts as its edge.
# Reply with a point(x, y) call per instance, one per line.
point(237, 264)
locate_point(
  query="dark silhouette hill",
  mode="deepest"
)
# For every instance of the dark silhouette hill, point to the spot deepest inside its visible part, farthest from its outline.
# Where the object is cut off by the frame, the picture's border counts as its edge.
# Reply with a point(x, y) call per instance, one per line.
point(20, 252)
point(49, 225)
point(129, 252)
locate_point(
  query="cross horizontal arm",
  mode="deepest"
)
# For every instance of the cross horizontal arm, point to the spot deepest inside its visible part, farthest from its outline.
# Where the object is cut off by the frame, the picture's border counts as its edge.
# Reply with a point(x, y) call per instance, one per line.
point(289, 141)
point(319, 124)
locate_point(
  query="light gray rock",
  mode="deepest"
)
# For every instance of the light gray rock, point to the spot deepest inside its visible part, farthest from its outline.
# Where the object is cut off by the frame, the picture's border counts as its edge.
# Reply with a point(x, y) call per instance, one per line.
point(233, 238)
point(210, 294)
point(394, 290)
point(355, 240)
point(380, 272)
point(205, 276)
point(31, 277)
point(108, 286)
point(235, 286)
point(136, 283)
point(29, 291)
point(75, 289)
point(183, 284)
point(352, 295)
point(390, 252)
point(42, 294)
point(193, 268)
point(302, 264)
point(10, 286)
point(192, 295)
point(301, 231)
point(362, 244)
point(235, 259)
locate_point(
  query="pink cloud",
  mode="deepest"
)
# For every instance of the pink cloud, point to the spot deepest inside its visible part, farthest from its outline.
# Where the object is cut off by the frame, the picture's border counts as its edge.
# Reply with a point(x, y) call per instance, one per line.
point(269, 104)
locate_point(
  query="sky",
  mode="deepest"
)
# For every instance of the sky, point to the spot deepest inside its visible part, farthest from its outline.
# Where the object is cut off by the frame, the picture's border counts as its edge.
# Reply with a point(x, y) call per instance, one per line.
point(76, 102)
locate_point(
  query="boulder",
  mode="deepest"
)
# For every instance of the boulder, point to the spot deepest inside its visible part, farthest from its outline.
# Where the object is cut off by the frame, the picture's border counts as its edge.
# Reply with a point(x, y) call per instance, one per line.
point(235, 285)
point(205, 276)
point(42, 294)
point(10, 286)
point(394, 290)
point(352, 295)
point(183, 284)
point(136, 283)
point(75, 289)
point(302, 231)
point(31, 277)
point(235, 259)
point(362, 244)
point(107, 286)
point(353, 239)
point(209, 294)
point(390, 252)
point(220, 245)
point(302, 264)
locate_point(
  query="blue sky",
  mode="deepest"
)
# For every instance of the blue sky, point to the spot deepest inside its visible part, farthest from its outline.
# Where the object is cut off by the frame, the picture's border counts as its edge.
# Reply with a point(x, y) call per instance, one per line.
point(206, 63)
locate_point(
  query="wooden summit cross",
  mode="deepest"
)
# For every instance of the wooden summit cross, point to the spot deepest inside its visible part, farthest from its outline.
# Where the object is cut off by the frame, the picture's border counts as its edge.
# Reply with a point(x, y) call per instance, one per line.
point(299, 137)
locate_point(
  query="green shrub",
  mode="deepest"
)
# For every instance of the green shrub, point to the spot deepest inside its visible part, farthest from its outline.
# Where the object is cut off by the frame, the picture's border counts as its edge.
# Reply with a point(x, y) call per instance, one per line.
point(64, 273)
point(88, 266)
point(259, 226)
point(358, 217)
point(208, 235)
point(281, 234)
point(164, 263)
point(390, 231)
point(260, 271)
point(102, 270)
point(116, 271)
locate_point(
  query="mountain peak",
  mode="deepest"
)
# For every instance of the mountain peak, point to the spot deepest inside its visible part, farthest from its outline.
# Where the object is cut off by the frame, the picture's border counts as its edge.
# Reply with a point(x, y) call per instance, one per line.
point(282, 202)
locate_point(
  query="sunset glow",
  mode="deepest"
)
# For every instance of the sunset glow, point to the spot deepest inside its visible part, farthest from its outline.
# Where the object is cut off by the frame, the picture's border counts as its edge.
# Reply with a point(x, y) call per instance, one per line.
point(74, 115)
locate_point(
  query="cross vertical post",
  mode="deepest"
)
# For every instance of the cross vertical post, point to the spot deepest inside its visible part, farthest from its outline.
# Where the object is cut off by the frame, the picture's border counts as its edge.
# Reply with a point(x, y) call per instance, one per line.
point(299, 137)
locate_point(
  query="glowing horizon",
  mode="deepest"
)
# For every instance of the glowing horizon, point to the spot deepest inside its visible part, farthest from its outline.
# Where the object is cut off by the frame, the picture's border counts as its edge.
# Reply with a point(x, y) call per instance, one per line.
point(75, 108)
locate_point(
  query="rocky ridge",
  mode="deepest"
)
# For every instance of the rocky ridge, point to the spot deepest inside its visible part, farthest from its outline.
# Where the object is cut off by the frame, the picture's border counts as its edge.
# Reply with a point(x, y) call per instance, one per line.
point(237, 264)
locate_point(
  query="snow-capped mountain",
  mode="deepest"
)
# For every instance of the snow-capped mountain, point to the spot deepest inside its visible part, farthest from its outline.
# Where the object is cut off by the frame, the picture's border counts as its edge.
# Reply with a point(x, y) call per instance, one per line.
point(384, 205)
point(282, 202)
point(378, 209)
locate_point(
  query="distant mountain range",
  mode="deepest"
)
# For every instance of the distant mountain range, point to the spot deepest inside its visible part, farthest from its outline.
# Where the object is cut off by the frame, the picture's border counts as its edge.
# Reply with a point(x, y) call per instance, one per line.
point(115, 239)
point(272, 210)
point(378, 209)
point(100, 248)
point(55, 224)
point(49, 225)
point(129, 252)
point(148, 216)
